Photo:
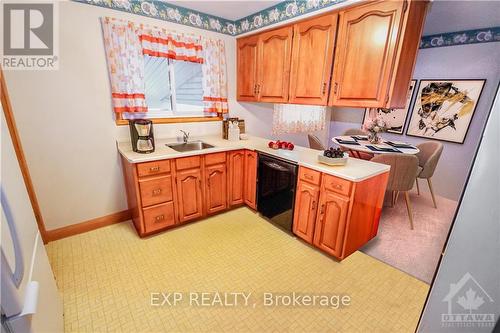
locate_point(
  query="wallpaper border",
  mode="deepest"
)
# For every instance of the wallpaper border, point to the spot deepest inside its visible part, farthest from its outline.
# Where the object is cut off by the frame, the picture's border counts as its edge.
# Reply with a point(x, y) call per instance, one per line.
point(281, 12)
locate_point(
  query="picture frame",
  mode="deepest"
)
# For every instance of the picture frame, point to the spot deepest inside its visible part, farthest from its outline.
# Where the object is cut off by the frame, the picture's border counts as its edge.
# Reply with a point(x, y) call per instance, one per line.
point(443, 109)
point(396, 119)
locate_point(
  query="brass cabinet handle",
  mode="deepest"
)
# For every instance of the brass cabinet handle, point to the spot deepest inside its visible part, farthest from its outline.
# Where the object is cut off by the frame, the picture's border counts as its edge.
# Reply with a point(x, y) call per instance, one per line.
point(157, 191)
point(324, 88)
point(337, 186)
point(322, 209)
point(199, 183)
point(258, 89)
point(159, 218)
point(154, 169)
point(255, 89)
point(306, 176)
point(335, 87)
point(313, 206)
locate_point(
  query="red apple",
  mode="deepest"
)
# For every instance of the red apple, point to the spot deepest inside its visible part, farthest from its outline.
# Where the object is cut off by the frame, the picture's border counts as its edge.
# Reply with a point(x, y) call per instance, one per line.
point(270, 144)
point(283, 145)
point(275, 146)
point(290, 146)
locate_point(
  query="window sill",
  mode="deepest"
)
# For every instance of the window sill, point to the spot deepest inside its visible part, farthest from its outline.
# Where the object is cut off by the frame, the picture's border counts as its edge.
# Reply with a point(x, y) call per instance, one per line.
point(173, 120)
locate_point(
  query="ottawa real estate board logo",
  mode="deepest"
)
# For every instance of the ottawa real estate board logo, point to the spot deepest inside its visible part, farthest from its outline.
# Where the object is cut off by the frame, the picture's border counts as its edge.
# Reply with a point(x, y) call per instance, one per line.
point(30, 36)
point(469, 305)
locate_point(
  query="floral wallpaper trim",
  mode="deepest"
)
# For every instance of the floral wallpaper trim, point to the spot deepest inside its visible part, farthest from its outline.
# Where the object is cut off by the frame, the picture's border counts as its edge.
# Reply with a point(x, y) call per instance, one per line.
point(486, 35)
point(278, 13)
point(167, 12)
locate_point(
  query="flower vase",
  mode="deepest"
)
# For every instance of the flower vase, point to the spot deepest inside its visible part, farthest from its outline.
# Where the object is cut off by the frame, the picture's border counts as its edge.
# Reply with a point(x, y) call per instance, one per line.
point(373, 137)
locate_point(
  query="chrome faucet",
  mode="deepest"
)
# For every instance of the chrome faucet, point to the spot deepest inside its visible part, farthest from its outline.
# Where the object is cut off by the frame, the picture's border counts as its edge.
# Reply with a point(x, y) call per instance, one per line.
point(185, 136)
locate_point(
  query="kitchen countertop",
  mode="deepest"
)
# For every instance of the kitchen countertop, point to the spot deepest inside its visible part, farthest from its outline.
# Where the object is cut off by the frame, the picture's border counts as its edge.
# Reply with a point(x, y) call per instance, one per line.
point(355, 170)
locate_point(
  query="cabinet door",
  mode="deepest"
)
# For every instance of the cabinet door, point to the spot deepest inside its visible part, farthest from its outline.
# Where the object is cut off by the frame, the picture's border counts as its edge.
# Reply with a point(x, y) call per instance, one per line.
point(247, 68)
point(189, 191)
point(331, 222)
point(250, 179)
point(306, 207)
point(275, 49)
point(366, 50)
point(216, 189)
point(312, 56)
point(236, 177)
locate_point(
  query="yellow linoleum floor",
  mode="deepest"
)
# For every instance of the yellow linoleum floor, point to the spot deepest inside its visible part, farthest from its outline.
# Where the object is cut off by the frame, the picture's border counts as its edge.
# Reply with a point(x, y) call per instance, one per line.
point(107, 276)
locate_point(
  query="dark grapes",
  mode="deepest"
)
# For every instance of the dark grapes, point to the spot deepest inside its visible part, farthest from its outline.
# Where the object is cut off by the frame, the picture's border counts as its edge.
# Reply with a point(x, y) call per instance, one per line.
point(333, 153)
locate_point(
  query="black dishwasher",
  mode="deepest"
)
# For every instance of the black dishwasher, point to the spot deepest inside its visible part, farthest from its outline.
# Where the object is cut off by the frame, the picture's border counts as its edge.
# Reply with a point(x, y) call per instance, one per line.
point(276, 190)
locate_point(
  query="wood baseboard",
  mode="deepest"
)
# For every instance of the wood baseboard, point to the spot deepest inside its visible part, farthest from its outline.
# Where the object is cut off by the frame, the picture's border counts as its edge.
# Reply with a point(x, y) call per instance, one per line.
point(89, 225)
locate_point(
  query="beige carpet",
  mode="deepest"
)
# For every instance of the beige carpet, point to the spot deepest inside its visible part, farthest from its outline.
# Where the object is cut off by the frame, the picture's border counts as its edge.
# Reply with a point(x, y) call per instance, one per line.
point(413, 251)
point(107, 276)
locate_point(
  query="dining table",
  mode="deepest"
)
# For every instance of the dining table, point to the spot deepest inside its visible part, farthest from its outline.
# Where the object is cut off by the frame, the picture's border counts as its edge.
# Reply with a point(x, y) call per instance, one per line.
point(360, 143)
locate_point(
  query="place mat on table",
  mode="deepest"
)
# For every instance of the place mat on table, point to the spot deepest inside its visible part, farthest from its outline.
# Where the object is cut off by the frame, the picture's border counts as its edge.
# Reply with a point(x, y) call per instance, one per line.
point(387, 150)
point(359, 137)
point(347, 142)
point(400, 145)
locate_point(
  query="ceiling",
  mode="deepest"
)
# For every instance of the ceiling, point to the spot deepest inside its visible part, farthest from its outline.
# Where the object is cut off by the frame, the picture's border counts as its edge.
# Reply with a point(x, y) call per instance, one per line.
point(446, 16)
point(228, 9)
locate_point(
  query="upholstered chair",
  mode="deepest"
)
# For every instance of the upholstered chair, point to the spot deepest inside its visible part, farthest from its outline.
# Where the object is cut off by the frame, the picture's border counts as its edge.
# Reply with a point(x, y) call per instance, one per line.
point(428, 158)
point(354, 153)
point(401, 176)
point(314, 142)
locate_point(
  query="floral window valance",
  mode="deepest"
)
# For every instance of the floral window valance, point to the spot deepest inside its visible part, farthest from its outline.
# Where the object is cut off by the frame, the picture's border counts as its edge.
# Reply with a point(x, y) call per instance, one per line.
point(126, 44)
point(292, 118)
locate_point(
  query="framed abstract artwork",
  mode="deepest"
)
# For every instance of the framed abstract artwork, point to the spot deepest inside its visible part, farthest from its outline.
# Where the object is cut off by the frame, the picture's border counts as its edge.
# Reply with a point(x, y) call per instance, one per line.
point(395, 119)
point(443, 109)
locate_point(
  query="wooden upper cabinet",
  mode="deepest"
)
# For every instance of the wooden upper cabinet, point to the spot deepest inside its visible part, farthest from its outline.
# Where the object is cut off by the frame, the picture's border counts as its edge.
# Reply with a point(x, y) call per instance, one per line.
point(312, 56)
point(375, 55)
point(189, 194)
point(275, 49)
point(306, 207)
point(216, 188)
point(247, 68)
point(236, 176)
point(330, 227)
point(250, 179)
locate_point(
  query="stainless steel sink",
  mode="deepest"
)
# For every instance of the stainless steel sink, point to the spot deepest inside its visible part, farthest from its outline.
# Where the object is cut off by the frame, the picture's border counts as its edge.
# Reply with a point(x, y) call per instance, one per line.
point(192, 145)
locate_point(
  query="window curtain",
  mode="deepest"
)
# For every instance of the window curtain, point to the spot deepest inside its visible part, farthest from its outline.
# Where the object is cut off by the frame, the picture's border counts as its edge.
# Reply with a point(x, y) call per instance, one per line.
point(170, 44)
point(291, 118)
point(125, 65)
point(214, 77)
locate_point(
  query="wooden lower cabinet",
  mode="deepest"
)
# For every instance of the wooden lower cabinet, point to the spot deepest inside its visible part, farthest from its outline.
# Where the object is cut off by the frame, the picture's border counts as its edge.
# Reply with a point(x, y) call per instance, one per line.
point(331, 223)
point(159, 217)
point(216, 188)
point(250, 186)
point(189, 194)
point(306, 207)
point(236, 174)
point(346, 215)
point(162, 194)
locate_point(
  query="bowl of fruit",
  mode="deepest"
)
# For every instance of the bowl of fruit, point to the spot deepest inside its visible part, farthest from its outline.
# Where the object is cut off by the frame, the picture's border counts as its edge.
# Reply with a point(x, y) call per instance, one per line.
point(333, 157)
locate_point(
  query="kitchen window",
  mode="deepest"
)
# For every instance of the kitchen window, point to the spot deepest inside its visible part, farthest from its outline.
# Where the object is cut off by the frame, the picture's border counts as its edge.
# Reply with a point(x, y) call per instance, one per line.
point(173, 89)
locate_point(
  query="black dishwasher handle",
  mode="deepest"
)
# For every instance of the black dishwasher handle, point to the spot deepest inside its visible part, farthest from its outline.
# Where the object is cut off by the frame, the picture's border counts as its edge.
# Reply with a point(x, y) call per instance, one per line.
point(275, 166)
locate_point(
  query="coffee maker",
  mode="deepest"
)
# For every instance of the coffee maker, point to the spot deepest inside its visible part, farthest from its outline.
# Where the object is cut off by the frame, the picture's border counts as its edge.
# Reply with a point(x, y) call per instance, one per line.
point(141, 134)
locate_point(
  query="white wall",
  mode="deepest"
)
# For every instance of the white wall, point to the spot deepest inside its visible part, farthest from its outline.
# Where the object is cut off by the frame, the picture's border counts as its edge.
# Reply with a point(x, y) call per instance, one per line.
point(478, 61)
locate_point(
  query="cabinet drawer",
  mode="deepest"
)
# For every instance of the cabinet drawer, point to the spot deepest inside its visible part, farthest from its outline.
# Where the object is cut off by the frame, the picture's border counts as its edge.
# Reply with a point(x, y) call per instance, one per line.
point(153, 168)
point(310, 176)
point(156, 190)
point(337, 185)
point(216, 158)
point(159, 217)
point(188, 162)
